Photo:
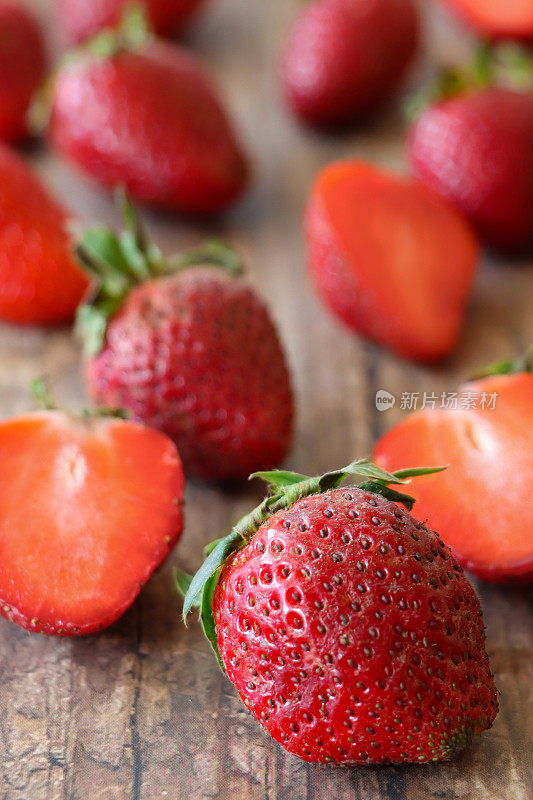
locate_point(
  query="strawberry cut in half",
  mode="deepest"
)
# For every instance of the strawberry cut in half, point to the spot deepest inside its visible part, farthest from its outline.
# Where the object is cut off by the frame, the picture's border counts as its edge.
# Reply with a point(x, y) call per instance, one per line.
point(390, 258)
point(90, 506)
point(482, 503)
point(348, 628)
point(512, 19)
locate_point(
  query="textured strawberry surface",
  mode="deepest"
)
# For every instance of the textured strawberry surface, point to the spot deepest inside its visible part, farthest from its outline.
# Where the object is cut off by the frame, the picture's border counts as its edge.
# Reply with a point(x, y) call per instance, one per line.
point(88, 509)
point(512, 19)
point(197, 356)
point(481, 504)
point(353, 636)
point(344, 58)
point(40, 281)
point(83, 18)
point(152, 122)
point(22, 67)
point(390, 258)
point(477, 150)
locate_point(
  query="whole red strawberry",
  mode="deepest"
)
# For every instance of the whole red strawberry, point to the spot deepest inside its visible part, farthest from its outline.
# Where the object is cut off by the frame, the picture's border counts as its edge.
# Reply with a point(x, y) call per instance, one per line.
point(40, 281)
point(144, 115)
point(476, 149)
point(22, 67)
point(91, 505)
point(345, 58)
point(347, 627)
point(191, 350)
point(84, 18)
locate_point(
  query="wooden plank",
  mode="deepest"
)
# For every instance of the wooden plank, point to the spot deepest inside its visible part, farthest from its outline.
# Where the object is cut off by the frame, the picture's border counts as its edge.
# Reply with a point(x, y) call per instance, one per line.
point(141, 711)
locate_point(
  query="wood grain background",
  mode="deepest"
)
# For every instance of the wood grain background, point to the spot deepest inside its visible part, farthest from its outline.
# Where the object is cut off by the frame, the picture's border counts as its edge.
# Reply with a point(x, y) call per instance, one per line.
point(141, 711)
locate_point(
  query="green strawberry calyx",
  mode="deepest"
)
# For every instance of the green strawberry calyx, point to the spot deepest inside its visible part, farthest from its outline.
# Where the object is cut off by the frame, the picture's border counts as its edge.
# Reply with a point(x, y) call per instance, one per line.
point(507, 366)
point(118, 262)
point(504, 64)
point(285, 489)
point(46, 402)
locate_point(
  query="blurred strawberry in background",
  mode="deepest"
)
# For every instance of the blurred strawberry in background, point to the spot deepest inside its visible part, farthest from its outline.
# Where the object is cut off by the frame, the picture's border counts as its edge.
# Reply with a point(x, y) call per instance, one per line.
point(344, 58)
point(83, 18)
point(390, 257)
point(40, 281)
point(135, 111)
point(500, 19)
point(475, 147)
point(22, 68)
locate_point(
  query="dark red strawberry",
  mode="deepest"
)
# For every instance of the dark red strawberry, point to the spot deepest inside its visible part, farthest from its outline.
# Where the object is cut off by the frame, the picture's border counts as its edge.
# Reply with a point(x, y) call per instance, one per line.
point(144, 115)
point(90, 506)
point(40, 281)
point(347, 627)
point(345, 58)
point(22, 67)
point(390, 258)
point(476, 149)
point(512, 19)
point(486, 436)
point(191, 350)
point(84, 18)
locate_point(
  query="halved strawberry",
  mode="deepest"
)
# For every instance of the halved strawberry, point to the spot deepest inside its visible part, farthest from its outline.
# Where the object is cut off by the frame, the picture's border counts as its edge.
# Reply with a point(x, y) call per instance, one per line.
point(390, 258)
point(481, 504)
point(501, 19)
point(89, 507)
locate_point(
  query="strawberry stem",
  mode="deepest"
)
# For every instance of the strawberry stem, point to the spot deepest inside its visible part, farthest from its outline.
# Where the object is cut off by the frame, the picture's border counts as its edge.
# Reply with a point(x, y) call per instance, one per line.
point(41, 394)
point(118, 262)
point(508, 366)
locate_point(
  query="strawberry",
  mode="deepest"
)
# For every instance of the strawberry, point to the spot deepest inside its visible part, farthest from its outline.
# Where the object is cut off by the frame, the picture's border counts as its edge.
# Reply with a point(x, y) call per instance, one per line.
point(190, 349)
point(512, 19)
point(40, 281)
point(488, 443)
point(347, 627)
point(390, 258)
point(344, 58)
point(133, 111)
point(90, 506)
point(475, 148)
point(22, 68)
point(84, 18)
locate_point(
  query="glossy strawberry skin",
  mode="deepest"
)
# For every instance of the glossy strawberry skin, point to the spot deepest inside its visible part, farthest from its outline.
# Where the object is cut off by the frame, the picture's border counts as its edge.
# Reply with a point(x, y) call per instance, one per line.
point(490, 455)
point(22, 68)
point(40, 281)
point(196, 355)
point(477, 150)
point(344, 58)
point(84, 18)
point(149, 121)
point(352, 635)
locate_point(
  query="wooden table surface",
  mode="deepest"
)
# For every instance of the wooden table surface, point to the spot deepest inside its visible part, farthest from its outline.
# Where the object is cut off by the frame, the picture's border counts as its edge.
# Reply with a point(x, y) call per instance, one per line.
point(141, 712)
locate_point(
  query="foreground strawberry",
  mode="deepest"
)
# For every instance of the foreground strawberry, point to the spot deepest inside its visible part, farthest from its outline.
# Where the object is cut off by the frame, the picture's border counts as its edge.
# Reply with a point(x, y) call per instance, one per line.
point(390, 258)
point(479, 504)
point(344, 58)
point(475, 147)
point(133, 111)
point(22, 67)
point(90, 506)
point(84, 18)
point(347, 627)
point(40, 281)
point(189, 348)
point(512, 19)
